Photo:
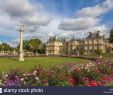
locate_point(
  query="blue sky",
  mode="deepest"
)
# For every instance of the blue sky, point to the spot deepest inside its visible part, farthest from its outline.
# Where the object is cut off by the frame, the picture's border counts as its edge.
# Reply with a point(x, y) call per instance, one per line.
point(71, 5)
point(63, 18)
point(66, 7)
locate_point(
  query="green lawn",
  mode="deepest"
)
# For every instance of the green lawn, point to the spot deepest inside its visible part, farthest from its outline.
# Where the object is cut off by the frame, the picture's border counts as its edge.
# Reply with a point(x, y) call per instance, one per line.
point(29, 63)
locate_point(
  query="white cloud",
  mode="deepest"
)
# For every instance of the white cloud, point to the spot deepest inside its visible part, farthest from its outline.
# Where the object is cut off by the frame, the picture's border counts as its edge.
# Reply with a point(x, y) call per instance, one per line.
point(13, 12)
point(37, 19)
point(16, 8)
point(44, 32)
point(97, 10)
point(87, 19)
point(78, 23)
point(24, 11)
point(6, 22)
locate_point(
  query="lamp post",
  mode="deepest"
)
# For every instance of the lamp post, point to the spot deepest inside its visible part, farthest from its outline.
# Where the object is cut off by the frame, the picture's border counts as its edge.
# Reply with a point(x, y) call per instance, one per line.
point(21, 30)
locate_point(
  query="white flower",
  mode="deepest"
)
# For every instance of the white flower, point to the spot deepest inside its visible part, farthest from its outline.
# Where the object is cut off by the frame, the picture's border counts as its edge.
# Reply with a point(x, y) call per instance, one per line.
point(22, 79)
point(34, 73)
point(36, 78)
point(6, 75)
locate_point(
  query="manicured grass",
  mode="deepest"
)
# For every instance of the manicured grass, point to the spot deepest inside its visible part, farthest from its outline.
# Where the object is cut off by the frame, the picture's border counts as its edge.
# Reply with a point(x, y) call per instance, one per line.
point(29, 63)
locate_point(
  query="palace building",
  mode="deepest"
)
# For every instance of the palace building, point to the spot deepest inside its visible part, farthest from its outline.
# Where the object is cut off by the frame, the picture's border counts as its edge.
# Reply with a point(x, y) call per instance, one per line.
point(92, 43)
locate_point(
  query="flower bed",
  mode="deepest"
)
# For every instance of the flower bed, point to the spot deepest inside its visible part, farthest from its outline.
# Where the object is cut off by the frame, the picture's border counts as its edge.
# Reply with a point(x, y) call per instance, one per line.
point(69, 74)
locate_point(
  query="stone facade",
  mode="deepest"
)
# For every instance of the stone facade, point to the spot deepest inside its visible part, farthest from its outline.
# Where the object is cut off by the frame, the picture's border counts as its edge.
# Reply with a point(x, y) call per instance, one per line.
point(92, 43)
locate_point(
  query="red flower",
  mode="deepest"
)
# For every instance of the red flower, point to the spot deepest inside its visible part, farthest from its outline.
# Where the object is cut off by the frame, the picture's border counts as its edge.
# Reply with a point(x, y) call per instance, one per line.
point(72, 81)
point(92, 83)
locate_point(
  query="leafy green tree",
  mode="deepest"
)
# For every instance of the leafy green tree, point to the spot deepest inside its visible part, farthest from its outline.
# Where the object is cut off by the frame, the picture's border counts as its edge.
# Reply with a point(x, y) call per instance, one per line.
point(34, 44)
point(1, 48)
point(111, 36)
point(25, 45)
point(42, 48)
point(5, 47)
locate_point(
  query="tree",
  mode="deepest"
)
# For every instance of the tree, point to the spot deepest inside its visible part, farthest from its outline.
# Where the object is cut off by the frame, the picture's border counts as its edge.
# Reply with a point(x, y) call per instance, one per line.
point(42, 48)
point(25, 45)
point(34, 44)
point(1, 47)
point(5, 47)
point(111, 36)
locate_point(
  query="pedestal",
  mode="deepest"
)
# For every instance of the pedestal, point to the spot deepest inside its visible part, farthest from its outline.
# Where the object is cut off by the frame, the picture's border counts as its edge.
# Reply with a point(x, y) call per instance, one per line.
point(21, 57)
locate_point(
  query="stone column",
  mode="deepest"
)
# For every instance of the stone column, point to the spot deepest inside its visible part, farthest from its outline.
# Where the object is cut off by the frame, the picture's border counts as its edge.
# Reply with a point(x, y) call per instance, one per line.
point(14, 53)
point(21, 55)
